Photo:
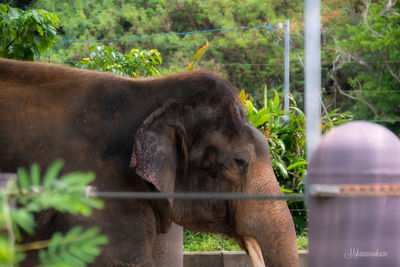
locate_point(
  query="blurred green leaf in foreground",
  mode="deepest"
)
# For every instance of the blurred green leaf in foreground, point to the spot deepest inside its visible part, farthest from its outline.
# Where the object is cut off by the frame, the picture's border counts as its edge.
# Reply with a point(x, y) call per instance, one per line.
point(27, 193)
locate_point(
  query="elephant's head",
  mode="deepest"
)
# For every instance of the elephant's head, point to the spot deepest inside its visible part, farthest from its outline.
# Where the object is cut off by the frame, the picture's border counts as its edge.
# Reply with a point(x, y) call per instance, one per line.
point(201, 141)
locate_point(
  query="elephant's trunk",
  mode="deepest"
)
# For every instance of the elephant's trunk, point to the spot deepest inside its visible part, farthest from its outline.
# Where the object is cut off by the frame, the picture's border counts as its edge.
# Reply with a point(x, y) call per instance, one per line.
point(266, 221)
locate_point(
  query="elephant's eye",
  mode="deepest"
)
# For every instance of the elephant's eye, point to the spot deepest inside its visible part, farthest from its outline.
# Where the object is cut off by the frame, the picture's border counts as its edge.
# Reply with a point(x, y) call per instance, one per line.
point(241, 163)
point(241, 166)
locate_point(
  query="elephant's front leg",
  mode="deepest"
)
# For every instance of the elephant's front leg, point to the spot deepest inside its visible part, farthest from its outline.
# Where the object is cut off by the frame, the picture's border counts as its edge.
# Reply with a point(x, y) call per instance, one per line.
point(131, 229)
point(168, 248)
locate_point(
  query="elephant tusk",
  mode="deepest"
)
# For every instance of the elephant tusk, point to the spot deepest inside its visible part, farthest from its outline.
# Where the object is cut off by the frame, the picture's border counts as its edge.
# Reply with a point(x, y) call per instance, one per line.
point(254, 251)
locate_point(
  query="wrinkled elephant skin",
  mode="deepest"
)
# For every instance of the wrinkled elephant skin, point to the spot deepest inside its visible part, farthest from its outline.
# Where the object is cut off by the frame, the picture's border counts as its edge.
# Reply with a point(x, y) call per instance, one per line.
point(168, 248)
point(185, 132)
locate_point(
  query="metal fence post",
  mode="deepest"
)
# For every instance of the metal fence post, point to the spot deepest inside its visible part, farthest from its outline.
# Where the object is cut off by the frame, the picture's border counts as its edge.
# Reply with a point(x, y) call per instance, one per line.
point(287, 58)
point(312, 76)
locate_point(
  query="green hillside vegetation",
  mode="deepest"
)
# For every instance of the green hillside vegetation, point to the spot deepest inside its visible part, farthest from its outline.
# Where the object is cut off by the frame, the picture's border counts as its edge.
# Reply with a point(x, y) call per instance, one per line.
point(360, 42)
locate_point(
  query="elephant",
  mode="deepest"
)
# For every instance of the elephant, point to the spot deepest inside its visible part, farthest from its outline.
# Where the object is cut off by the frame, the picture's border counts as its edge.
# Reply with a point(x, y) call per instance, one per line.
point(182, 132)
point(168, 248)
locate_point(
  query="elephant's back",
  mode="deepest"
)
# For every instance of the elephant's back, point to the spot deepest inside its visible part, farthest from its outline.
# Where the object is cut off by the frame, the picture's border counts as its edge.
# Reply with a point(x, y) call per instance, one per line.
point(49, 111)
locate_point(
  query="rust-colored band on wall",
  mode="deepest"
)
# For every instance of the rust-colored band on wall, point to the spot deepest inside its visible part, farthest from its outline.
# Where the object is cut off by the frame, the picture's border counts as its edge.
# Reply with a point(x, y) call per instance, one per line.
point(354, 190)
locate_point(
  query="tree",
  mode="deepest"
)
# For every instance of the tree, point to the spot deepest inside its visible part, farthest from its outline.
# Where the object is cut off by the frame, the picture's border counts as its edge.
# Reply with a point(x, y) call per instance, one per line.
point(28, 34)
point(366, 62)
point(248, 57)
point(137, 63)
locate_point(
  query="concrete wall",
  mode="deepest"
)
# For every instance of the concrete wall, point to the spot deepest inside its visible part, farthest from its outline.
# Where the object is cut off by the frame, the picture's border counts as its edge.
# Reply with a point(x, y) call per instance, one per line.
point(226, 259)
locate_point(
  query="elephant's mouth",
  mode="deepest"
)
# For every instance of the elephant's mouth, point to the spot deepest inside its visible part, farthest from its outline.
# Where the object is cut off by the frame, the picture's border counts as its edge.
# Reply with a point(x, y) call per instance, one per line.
point(254, 250)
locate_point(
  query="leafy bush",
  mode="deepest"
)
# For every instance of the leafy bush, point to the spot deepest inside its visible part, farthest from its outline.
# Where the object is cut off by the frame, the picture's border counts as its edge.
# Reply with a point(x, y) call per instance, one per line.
point(285, 132)
point(135, 64)
point(28, 34)
point(32, 194)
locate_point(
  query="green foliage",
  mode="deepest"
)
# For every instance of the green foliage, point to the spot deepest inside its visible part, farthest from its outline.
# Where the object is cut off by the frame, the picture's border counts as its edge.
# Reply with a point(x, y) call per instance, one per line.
point(302, 242)
point(364, 45)
point(285, 134)
point(75, 248)
point(34, 194)
point(196, 58)
point(136, 63)
point(88, 20)
point(28, 34)
point(197, 241)
point(335, 118)
point(63, 194)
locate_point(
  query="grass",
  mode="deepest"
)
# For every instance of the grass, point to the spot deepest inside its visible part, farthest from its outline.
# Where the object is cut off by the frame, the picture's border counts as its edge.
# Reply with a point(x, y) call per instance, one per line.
point(302, 242)
point(196, 241)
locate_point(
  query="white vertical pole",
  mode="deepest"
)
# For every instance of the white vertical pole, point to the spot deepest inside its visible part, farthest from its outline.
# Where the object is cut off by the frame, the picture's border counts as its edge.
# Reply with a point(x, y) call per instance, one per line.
point(312, 74)
point(287, 57)
point(312, 77)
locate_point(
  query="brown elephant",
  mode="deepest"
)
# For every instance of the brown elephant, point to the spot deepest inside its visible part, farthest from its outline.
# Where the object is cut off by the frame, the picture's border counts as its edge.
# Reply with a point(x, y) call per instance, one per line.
point(184, 132)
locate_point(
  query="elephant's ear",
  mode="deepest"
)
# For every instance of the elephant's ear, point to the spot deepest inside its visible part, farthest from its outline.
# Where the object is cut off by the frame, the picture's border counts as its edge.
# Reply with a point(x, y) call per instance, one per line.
point(158, 143)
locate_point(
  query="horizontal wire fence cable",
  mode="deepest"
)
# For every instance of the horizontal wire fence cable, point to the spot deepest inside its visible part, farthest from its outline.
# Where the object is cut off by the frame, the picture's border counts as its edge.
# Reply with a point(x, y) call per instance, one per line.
point(238, 64)
point(368, 91)
point(271, 27)
point(269, 64)
point(333, 91)
point(191, 195)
